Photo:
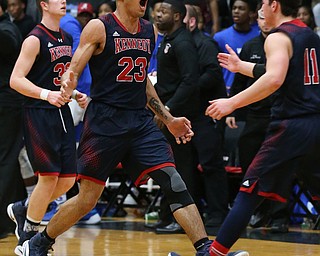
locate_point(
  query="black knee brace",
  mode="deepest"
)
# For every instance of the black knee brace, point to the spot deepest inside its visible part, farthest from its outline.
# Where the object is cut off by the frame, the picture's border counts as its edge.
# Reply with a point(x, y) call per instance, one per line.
point(173, 187)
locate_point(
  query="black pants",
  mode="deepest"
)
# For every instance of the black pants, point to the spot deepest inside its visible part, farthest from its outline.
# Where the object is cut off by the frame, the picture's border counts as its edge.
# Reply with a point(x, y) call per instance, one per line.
point(205, 148)
point(11, 184)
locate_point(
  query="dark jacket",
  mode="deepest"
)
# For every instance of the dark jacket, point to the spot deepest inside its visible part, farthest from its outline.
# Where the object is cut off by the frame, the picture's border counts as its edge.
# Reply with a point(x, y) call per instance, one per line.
point(211, 82)
point(178, 73)
point(10, 44)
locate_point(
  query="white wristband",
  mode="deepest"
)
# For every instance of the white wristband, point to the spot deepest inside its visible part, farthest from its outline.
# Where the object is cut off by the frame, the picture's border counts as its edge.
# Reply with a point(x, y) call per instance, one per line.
point(44, 94)
point(74, 94)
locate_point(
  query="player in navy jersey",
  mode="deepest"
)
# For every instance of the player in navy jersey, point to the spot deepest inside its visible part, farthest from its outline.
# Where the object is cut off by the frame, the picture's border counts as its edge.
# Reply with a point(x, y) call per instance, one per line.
point(117, 125)
point(49, 132)
point(293, 141)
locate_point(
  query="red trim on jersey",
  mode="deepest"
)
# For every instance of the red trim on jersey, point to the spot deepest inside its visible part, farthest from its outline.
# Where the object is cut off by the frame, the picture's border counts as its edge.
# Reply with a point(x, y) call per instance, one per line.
point(298, 23)
point(48, 32)
point(139, 180)
point(218, 249)
point(273, 196)
point(123, 27)
point(100, 182)
point(68, 175)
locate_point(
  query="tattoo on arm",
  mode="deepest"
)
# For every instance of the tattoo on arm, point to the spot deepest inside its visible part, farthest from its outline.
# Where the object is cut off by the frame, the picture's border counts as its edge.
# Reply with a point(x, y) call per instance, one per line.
point(155, 105)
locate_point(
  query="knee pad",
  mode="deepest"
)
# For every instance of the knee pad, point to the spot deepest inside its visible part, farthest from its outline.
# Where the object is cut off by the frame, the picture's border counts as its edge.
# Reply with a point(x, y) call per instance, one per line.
point(173, 187)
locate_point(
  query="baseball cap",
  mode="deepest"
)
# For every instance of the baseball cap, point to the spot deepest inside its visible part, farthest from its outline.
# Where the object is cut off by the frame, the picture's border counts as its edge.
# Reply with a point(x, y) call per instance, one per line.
point(85, 8)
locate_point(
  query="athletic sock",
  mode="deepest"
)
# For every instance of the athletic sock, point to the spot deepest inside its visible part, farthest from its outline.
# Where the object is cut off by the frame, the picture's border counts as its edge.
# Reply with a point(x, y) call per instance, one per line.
point(31, 225)
point(236, 221)
point(45, 234)
point(200, 243)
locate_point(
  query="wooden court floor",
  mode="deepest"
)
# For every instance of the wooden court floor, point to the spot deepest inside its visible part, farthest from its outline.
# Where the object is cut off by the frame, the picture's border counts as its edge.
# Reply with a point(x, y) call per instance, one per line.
point(127, 236)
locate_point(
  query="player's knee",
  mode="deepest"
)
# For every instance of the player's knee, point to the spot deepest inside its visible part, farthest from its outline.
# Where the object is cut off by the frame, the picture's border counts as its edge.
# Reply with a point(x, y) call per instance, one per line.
point(174, 189)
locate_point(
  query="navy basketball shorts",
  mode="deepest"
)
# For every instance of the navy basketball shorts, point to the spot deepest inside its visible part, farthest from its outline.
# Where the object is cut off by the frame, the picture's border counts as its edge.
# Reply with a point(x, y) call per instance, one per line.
point(291, 147)
point(50, 141)
point(112, 135)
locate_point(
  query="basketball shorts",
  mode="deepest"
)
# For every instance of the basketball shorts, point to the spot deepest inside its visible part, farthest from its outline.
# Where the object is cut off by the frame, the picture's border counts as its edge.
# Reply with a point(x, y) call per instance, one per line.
point(291, 149)
point(50, 141)
point(112, 135)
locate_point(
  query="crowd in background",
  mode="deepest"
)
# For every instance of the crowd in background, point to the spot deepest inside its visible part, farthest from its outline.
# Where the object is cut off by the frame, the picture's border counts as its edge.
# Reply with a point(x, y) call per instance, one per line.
point(232, 22)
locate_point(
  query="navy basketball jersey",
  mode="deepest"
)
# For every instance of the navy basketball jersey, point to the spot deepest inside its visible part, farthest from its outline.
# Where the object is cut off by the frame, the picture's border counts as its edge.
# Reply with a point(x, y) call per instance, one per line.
point(300, 92)
point(53, 60)
point(119, 72)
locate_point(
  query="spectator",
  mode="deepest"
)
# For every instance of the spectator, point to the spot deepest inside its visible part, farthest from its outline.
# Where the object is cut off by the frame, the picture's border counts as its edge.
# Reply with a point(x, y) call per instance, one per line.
point(11, 184)
point(237, 34)
point(16, 10)
point(85, 13)
point(208, 15)
point(152, 69)
point(176, 86)
point(105, 7)
point(305, 14)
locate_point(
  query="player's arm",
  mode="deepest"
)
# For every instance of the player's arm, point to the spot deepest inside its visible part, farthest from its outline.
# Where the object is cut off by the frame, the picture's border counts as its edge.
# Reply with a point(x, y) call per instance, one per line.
point(91, 42)
point(233, 63)
point(18, 81)
point(278, 48)
point(179, 127)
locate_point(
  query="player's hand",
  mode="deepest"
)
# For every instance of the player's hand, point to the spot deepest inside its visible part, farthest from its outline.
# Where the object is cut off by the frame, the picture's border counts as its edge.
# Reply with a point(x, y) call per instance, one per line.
point(55, 98)
point(180, 127)
point(68, 82)
point(229, 61)
point(231, 122)
point(82, 99)
point(219, 108)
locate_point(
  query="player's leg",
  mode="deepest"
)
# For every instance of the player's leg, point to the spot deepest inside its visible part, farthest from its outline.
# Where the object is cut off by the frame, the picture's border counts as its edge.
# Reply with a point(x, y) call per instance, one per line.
point(181, 203)
point(75, 208)
point(69, 214)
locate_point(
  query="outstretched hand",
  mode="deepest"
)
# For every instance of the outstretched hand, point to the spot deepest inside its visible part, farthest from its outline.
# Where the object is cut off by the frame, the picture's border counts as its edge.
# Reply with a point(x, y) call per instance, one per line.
point(180, 127)
point(229, 60)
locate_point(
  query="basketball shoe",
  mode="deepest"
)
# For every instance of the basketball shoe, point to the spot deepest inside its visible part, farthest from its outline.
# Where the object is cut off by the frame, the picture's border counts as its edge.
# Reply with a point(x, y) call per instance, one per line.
point(38, 245)
point(17, 212)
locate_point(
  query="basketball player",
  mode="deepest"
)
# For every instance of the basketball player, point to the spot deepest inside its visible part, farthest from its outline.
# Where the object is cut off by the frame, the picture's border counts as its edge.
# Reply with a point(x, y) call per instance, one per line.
point(117, 125)
point(49, 131)
point(293, 140)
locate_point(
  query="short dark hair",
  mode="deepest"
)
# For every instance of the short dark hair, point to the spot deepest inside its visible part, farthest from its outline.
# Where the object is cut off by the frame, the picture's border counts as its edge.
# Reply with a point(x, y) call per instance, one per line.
point(154, 2)
point(252, 4)
point(178, 7)
point(4, 5)
point(289, 7)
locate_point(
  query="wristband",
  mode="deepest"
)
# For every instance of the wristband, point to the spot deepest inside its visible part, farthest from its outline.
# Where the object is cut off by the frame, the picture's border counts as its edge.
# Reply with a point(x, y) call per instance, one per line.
point(258, 70)
point(44, 94)
point(167, 108)
point(74, 94)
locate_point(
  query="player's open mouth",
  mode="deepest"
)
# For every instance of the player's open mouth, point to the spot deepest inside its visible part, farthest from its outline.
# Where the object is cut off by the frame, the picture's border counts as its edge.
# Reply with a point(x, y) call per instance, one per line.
point(143, 2)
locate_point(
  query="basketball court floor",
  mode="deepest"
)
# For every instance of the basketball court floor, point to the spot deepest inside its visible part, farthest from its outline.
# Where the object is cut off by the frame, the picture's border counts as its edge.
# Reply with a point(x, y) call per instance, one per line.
point(128, 236)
